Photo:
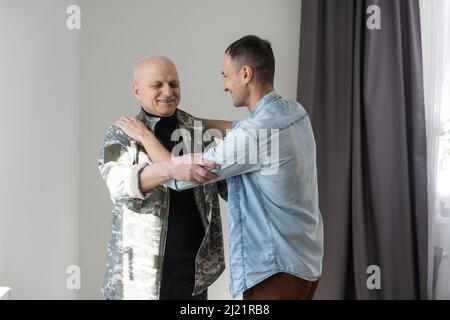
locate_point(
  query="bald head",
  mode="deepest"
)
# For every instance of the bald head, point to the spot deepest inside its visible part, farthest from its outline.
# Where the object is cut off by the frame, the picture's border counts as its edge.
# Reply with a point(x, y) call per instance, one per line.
point(156, 85)
point(151, 65)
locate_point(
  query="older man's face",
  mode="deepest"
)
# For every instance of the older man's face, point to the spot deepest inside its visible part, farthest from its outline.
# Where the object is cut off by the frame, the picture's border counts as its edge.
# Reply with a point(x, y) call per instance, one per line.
point(157, 87)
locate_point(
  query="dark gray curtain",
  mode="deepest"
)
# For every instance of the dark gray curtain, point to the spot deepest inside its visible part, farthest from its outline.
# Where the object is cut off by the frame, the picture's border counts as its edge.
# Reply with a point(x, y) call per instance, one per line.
point(363, 90)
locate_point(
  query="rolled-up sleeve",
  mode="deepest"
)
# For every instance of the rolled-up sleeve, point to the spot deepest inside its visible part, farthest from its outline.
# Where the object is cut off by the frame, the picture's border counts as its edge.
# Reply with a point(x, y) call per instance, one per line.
point(131, 181)
point(119, 170)
point(122, 179)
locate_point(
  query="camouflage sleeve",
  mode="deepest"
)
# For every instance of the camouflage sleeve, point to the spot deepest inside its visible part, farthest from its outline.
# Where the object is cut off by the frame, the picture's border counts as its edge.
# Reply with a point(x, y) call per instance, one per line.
point(119, 167)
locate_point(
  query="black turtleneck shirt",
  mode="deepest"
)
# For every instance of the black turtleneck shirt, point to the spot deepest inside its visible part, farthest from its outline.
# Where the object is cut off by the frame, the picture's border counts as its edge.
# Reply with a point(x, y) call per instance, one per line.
point(185, 229)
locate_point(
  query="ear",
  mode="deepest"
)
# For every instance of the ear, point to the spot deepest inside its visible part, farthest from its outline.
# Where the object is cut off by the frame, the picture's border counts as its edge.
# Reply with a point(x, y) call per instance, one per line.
point(246, 74)
point(135, 90)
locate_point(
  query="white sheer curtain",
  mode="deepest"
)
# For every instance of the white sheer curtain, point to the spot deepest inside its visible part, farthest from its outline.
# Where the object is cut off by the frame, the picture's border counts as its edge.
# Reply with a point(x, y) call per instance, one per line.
point(435, 16)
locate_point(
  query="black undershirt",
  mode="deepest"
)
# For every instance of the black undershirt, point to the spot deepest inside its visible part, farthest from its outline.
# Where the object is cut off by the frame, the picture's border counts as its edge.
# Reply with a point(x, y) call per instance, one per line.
point(185, 229)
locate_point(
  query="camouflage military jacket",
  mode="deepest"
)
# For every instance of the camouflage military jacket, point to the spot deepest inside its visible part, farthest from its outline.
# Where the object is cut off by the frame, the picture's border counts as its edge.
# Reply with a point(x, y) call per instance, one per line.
point(139, 221)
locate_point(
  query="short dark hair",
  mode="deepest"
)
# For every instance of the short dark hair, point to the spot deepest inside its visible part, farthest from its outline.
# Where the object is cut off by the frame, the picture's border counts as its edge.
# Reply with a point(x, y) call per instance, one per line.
point(255, 52)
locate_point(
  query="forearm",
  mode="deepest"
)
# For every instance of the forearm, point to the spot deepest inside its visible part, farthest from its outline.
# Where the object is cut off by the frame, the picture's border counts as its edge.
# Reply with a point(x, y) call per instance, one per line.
point(154, 175)
point(222, 125)
point(190, 167)
point(155, 150)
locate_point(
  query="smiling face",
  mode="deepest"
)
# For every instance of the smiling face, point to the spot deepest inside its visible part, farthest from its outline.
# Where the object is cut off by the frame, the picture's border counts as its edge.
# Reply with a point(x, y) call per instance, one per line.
point(234, 82)
point(157, 86)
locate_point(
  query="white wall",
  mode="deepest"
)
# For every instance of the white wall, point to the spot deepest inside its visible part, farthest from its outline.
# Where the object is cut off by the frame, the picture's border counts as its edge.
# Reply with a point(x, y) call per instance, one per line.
point(38, 164)
point(55, 110)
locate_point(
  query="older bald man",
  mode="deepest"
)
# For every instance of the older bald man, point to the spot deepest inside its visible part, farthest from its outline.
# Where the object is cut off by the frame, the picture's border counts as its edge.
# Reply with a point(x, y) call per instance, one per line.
point(164, 244)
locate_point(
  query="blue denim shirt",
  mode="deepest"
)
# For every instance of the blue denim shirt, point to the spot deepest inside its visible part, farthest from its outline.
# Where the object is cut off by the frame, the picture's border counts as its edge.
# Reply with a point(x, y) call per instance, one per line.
point(275, 222)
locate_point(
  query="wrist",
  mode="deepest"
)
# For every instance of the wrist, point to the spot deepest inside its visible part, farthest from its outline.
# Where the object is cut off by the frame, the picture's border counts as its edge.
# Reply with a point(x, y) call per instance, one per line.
point(145, 136)
point(170, 167)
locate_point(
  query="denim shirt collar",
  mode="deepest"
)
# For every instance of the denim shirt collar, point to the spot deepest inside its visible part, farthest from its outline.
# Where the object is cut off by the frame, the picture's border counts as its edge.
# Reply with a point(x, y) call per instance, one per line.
point(268, 98)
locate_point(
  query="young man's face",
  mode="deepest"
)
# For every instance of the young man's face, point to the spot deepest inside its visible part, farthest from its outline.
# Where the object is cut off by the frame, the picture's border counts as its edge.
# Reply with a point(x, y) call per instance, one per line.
point(158, 88)
point(233, 82)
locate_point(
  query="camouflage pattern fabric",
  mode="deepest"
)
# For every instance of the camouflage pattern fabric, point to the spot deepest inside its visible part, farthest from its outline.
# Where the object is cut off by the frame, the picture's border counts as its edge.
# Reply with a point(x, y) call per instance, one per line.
point(139, 221)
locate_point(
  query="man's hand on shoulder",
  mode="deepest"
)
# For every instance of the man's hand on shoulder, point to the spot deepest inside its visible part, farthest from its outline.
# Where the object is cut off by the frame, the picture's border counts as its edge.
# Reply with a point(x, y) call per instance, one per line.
point(133, 127)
